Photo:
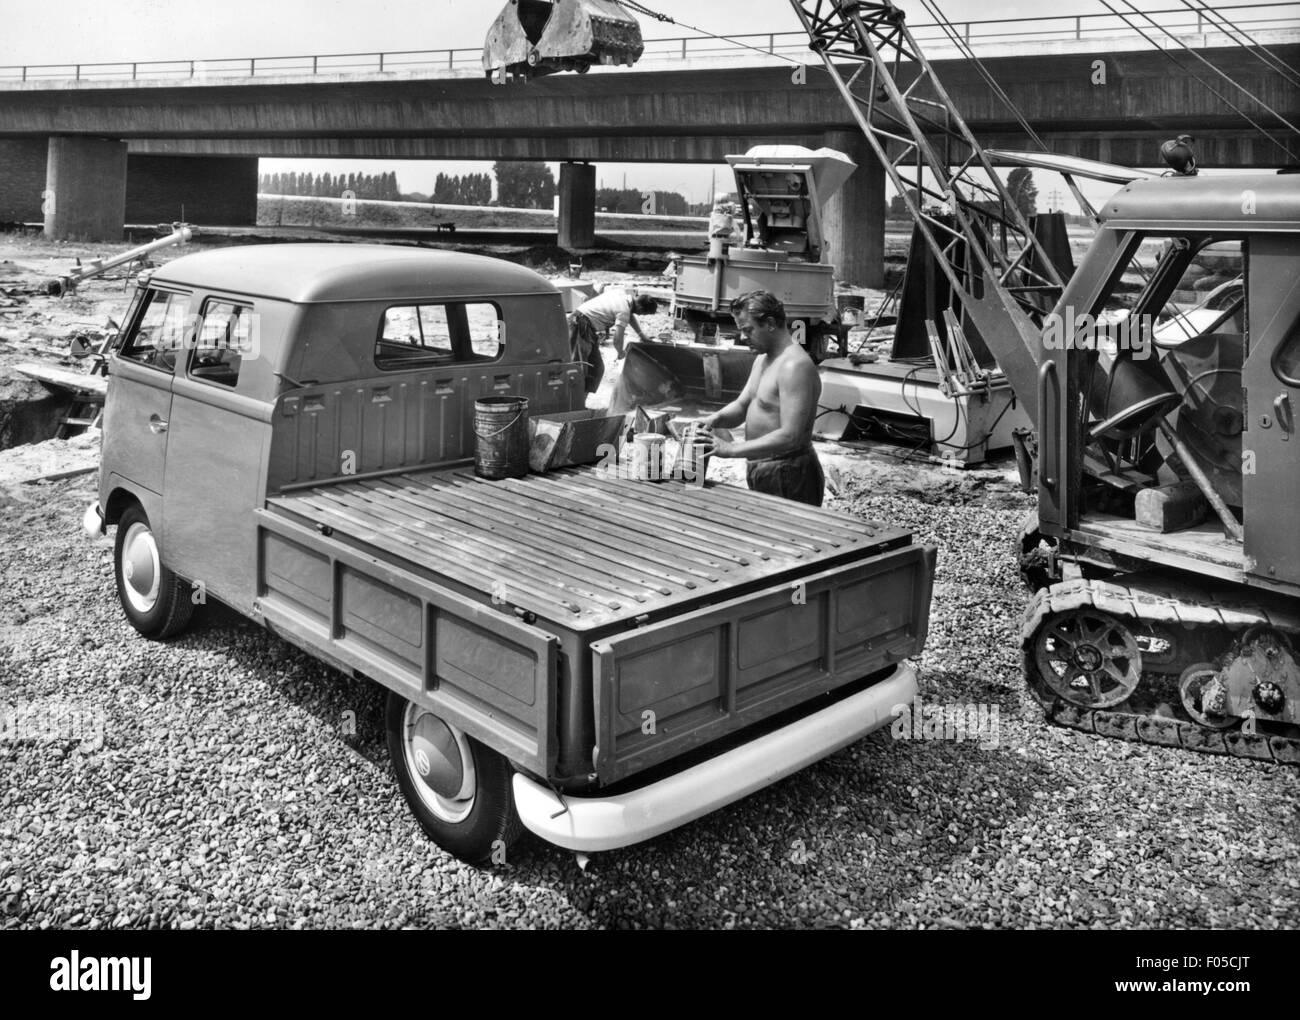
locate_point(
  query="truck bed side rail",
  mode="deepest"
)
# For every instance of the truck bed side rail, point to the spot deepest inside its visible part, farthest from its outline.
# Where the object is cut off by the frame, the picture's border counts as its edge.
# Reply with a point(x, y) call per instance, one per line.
point(475, 666)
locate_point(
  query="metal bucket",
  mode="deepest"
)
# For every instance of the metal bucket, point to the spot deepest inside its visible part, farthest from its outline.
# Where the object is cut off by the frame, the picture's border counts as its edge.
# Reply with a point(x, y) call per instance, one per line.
point(501, 437)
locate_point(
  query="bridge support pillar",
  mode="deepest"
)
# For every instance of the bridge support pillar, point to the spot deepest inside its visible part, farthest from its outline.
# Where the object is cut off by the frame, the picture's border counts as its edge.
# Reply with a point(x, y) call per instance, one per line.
point(854, 218)
point(85, 184)
point(577, 219)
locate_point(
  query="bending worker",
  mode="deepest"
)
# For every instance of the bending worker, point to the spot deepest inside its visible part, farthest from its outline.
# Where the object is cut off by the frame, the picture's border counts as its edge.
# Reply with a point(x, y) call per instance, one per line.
point(778, 406)
point(611, 309)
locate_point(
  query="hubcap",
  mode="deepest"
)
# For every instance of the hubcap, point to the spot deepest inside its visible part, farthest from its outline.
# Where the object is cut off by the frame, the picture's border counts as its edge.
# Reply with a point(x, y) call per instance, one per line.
point(1089, 658)
point(141, 568)
point(440, 761)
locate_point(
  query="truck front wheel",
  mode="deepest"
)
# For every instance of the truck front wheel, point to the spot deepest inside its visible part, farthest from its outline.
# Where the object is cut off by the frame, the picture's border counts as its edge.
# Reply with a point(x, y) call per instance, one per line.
point(157, 602)
point(460, 791)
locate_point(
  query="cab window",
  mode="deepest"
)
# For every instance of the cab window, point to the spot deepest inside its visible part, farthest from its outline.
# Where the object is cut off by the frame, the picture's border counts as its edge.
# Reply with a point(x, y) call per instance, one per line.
point(161, 330)
point(225, 337)
point(411, 336)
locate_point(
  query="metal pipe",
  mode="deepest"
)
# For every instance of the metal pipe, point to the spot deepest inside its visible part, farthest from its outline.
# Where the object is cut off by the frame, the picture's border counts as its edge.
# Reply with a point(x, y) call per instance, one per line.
point(67, 284)
point(1228, 518)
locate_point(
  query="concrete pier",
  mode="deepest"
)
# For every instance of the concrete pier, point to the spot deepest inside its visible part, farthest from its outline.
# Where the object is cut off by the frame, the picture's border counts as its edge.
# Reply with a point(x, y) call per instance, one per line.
point(85, 184)
point(854, 218)
point(577, 219)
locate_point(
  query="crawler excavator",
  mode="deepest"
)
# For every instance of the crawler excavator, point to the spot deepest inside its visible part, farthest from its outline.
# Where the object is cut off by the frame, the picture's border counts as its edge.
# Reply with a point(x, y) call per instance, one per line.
point(1165, 554)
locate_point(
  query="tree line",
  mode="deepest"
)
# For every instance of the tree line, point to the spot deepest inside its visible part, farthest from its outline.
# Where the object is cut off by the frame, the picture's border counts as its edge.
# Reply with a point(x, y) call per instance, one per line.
point(519, 185)
point(629, 200)
point(373, 186)
point(470, 189)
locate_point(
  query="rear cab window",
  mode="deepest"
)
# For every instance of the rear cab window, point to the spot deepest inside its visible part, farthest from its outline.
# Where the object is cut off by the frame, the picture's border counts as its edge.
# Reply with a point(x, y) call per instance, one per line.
point(449, 333)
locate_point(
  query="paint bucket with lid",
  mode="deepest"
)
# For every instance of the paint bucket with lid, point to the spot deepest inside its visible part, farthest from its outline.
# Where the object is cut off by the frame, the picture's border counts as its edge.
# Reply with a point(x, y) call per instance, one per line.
point(501, 437)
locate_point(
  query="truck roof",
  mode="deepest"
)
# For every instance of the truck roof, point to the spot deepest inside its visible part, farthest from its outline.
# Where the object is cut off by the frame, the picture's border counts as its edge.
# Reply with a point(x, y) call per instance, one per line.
point(1211, 202)
point(318, 273)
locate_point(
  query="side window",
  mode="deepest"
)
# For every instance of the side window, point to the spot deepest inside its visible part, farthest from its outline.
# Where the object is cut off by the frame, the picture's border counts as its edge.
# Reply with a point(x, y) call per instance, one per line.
point(434, 334)
point(1208, 295)
point(225, 336)
point(161, 332)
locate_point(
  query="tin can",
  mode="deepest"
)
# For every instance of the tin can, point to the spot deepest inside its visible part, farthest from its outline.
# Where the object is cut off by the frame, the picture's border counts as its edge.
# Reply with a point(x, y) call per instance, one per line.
point(648, 457)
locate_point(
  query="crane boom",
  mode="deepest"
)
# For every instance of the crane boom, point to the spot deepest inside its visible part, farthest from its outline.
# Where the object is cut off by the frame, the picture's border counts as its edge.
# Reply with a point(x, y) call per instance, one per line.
point(1001, 277)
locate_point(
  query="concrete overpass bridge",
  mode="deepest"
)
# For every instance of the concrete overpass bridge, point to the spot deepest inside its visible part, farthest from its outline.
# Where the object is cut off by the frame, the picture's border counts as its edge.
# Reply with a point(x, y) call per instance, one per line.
point(133, 142)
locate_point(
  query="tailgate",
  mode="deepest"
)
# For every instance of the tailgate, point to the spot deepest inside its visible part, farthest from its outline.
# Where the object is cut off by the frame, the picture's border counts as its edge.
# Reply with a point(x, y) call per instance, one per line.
point(667, 688)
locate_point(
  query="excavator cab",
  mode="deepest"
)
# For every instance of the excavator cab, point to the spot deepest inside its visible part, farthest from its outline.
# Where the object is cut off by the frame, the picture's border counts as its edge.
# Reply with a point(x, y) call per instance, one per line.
point(530, 38)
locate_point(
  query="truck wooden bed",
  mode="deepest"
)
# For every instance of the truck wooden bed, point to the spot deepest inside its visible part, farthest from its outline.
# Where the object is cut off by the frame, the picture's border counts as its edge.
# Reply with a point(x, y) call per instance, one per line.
point(709, 608)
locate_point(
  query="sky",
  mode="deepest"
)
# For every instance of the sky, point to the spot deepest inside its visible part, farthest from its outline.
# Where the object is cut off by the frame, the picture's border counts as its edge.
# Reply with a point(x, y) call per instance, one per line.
point(91, 31)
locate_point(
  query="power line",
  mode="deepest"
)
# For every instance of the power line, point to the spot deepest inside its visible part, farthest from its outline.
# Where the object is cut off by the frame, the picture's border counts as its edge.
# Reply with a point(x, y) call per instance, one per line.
point(642, 9)
point(1271, 61)
point(963, 47)
point(1231, 81)
point(1188, 71)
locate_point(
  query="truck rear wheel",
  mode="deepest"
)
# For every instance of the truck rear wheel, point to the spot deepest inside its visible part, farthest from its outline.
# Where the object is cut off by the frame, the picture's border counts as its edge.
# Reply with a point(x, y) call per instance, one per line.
point(460, 791)
point(156, 602)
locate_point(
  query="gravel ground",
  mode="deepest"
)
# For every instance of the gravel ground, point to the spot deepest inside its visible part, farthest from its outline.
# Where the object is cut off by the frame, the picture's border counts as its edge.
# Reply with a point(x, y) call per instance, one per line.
point(206, 782)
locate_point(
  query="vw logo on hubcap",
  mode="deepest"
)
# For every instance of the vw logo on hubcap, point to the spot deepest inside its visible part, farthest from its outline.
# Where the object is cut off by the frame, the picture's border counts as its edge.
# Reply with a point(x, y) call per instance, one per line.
point(422, 762)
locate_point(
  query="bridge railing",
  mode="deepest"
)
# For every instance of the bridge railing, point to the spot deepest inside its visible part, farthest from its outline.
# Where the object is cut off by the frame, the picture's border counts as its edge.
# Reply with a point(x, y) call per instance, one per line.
point(1183, 22)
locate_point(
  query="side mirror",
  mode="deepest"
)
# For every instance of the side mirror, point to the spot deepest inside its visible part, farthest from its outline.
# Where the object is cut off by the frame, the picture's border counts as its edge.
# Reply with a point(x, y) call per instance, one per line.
point(80, 347)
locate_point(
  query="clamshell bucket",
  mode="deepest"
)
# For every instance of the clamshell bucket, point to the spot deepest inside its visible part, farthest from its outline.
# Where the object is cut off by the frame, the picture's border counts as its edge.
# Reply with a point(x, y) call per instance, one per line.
point(536, 37)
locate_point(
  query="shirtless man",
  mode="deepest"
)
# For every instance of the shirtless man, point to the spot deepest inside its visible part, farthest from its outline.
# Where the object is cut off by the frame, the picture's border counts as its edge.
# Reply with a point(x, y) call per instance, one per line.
point(778, 406)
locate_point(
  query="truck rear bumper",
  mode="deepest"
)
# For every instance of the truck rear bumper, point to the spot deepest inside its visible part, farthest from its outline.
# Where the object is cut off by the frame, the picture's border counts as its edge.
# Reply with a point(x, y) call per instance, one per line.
point(606, 823)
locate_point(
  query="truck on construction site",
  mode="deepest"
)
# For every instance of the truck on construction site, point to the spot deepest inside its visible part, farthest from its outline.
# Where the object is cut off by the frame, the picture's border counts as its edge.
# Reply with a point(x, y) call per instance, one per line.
point(297, 431)
point(1165, 552)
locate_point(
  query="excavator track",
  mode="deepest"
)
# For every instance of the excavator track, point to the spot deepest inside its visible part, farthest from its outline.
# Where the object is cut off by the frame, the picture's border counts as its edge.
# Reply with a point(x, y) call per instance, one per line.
point(1140, 606)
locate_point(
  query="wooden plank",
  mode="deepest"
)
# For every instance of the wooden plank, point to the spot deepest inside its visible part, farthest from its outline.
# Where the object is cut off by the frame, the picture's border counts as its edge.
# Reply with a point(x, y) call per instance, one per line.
point(509, 548)
point(470, 545)
point(544, 537)
point(711, 538)
point(571, 514)
point(1205, 542)
point(63, 379)
point(359, 528)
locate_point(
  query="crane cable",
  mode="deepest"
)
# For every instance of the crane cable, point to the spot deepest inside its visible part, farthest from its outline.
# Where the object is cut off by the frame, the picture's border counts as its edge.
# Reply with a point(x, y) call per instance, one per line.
point(642, 9)
point(1186, 70)
point(963, 47)
point(1226, 77)
point(1262, 53)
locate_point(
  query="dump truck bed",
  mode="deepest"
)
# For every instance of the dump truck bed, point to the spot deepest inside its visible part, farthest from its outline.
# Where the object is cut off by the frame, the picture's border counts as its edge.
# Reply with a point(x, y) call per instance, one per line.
point(548, 614)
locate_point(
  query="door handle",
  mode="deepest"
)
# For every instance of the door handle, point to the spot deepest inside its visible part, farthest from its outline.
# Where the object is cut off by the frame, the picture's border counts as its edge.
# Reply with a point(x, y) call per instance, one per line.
point(1282, 412)
point(157, 424)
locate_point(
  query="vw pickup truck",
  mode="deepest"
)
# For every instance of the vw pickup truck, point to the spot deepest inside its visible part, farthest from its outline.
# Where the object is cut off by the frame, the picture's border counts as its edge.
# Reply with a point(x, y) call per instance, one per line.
point(593, 659)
